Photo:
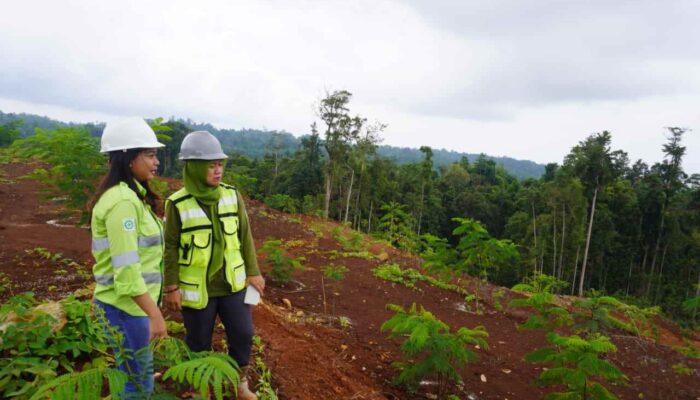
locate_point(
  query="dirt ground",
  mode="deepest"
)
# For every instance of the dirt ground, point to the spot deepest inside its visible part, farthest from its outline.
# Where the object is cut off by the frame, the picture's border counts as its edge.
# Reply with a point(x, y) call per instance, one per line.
point(312, 353)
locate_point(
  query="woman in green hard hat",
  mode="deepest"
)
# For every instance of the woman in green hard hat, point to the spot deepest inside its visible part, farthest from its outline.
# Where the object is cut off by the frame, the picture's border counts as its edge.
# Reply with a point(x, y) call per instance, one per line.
point(210, 255)
point(128, 247)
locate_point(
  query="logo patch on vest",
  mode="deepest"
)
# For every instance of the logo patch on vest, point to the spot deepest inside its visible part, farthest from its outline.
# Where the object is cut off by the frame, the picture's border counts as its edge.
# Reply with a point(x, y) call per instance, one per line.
point(129, 224)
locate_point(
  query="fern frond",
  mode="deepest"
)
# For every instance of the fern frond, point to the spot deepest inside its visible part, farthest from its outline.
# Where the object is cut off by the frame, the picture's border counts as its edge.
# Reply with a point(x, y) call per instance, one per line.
point(207, 370)
point(85, 385)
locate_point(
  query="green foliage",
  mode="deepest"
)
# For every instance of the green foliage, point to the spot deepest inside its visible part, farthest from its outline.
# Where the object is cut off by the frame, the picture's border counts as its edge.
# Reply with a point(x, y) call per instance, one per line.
point(335, 272)
point(479, 253)
point(429, 348)
point(5, 283)
point(439, 256)
point(683, 370)
point(175, 327)
point(393, 273)
point(44, 253)
point(688, 350)
point(207, 372)
point(350, 242)
point(280, 263)
point(282, 202)
point(74, 160)
point(40, 341)
point(159, 187)
point(264, 388)
point(549, 315)
point(540, 283)
point(692, 305)
point(9, 132)
point(395, 226)
point(574, 361)
point(497, 295)
point(599, 313)
point(82, 385)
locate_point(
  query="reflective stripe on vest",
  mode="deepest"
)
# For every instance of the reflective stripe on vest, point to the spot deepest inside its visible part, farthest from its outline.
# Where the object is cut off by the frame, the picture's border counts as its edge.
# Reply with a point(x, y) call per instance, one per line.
point(148, 277)
point(144, 241)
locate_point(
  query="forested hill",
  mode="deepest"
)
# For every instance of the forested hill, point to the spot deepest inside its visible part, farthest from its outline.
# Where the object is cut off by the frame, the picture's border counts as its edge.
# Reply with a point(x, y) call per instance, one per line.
point(256, 143)
point(519, 168)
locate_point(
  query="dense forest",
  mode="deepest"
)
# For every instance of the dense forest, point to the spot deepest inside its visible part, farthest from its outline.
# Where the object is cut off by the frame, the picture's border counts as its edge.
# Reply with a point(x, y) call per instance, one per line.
point(596, 220)
point(255, 143)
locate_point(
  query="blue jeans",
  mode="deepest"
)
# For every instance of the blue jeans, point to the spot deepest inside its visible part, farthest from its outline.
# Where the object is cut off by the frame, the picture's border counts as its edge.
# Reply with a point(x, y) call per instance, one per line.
point(136, 359)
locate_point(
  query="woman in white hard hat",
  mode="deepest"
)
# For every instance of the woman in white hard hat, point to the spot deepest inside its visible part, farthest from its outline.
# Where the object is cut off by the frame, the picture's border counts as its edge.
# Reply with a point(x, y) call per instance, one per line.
point(210, 255)
point(128, 247)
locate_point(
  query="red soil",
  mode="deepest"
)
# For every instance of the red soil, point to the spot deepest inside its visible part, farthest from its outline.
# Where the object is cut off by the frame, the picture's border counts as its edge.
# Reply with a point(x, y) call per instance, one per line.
point(312, 355)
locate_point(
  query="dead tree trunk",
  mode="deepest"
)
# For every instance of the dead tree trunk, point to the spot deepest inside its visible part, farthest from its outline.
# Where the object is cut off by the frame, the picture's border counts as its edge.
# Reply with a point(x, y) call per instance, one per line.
point(573, 281)
point(534, 231)
point(327, 199)
point(588, 244)
point(347, 202)
point(656, 250)
point(563, 237)
point(554, 242)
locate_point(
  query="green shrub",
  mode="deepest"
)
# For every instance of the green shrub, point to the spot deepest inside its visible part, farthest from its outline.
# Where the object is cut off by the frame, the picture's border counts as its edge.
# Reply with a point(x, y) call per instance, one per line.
point(281, 265)
point(429, 349)
point(575, 360)
point(38, 342)
point(549, 315)
point(393, 273)
point(74, 159)
point(282, 202)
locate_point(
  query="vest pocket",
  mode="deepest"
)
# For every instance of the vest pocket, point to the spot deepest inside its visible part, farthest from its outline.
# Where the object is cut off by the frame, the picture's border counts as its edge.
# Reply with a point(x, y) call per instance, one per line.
point(194, 248)
point(229, 225)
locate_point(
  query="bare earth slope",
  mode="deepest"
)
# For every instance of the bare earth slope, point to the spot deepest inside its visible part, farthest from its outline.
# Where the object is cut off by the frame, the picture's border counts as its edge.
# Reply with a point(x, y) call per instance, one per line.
point(311, 355)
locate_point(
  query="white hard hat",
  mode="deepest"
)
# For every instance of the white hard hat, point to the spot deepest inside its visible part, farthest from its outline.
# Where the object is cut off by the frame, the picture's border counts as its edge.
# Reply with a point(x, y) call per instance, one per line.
point(201, 145)
point(128, 133)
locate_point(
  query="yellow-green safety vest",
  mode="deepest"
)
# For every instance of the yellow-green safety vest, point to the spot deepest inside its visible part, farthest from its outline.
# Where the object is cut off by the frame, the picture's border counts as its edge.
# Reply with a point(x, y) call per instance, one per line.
point(127, 243)
point(195, 249)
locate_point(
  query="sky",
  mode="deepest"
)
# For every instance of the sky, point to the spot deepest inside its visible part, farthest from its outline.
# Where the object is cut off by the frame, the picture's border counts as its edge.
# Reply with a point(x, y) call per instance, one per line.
point(524, 79)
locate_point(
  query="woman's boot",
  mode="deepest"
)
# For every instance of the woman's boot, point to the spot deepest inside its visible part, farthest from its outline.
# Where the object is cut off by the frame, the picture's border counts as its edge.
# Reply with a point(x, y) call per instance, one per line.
point(244, 392)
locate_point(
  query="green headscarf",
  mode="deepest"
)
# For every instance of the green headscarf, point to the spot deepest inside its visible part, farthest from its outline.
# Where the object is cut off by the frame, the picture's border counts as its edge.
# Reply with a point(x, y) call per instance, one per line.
point(195, 176)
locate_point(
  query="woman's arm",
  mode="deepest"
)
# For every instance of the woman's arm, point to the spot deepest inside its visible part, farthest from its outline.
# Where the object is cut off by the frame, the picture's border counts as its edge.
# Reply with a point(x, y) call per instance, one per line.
point(173, 299)
point(248, 247)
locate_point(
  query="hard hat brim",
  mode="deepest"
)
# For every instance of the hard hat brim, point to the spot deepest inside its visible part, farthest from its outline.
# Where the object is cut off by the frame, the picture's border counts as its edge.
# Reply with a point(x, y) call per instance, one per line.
point(156, 145)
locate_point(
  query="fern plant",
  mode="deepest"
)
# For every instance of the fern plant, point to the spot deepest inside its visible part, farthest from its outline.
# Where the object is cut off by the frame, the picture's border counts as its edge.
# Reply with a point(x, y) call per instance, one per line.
point(82, 385)
point(575, 360)
point(207, 372)
point(429, 348)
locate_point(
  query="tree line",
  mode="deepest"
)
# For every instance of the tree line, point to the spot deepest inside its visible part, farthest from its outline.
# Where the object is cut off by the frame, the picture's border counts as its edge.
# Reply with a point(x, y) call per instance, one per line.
point(596, 220)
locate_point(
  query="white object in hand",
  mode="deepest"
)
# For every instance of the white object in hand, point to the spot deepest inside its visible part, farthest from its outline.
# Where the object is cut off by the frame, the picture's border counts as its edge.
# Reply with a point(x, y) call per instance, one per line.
point(252, 296)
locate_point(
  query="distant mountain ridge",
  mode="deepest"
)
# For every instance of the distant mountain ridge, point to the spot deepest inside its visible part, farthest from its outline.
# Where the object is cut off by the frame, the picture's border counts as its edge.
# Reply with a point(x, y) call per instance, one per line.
point(255, 143)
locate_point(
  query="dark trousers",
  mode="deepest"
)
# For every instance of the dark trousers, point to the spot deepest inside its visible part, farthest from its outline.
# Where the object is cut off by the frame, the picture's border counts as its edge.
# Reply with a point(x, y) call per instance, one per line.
point(238, 324)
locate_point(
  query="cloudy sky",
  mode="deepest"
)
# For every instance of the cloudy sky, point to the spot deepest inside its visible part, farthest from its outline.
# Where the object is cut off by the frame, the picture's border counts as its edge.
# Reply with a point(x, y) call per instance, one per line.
point(526, 79)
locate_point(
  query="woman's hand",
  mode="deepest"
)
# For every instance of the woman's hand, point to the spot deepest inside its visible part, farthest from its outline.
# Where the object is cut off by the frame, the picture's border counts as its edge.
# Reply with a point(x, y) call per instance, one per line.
point(156, 323)
point(173, 300)
point(258, 282)
point(157, 327)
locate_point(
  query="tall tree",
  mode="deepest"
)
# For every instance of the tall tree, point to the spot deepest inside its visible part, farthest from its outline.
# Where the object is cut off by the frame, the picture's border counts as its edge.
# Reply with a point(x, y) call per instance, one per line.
point(426, 181)
point(672, 177)
point(591, 160)
point(340, 133)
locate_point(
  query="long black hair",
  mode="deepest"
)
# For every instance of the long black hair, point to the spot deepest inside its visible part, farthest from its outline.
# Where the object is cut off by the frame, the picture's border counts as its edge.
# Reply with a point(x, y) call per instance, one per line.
point(120, 171)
